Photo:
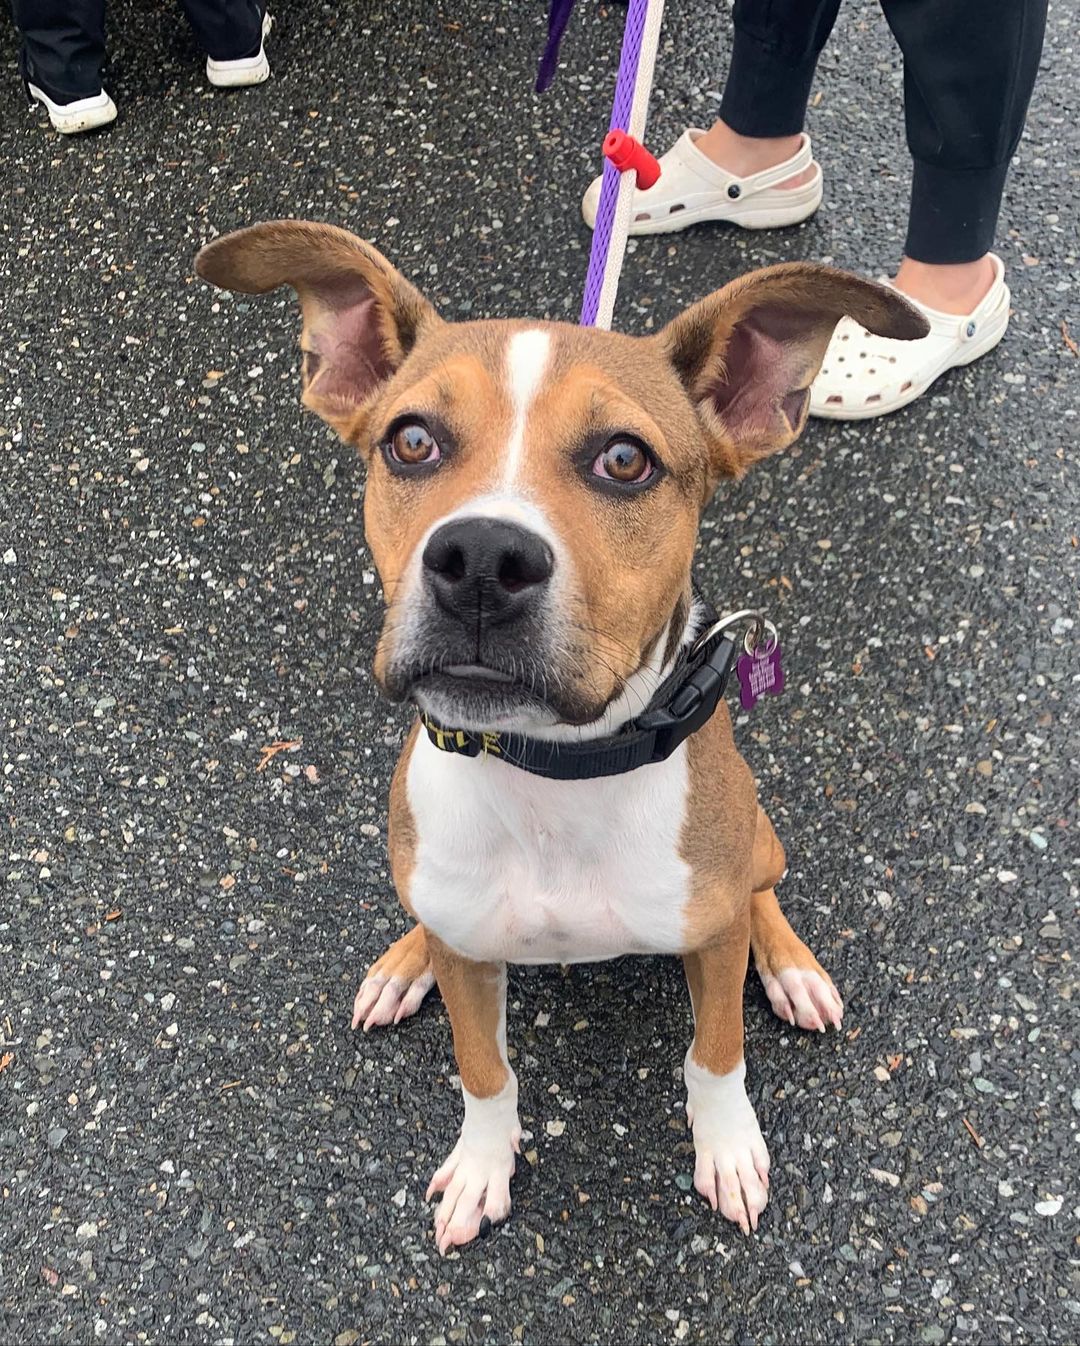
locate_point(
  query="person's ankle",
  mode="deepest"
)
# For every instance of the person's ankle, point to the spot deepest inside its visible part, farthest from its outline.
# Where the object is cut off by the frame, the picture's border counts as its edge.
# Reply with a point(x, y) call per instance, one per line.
point(746, 155)
point(958, 288)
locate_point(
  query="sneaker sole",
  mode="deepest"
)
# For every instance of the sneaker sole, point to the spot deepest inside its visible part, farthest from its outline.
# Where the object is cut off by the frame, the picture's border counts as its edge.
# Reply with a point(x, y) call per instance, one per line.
point(257, 73)
point(74, 123)
point(242, 74)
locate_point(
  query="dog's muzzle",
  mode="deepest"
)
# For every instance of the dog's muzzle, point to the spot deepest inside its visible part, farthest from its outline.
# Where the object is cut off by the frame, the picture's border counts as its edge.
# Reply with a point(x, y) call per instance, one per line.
point(478, 638)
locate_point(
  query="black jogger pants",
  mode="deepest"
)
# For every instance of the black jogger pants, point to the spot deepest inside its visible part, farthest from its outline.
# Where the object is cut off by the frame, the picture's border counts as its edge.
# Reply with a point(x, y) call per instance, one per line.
point(64, 40)
point(969, 68)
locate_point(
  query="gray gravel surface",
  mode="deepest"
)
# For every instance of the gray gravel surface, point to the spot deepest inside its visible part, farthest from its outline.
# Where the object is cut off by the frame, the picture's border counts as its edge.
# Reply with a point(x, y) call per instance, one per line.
point(193, 1146)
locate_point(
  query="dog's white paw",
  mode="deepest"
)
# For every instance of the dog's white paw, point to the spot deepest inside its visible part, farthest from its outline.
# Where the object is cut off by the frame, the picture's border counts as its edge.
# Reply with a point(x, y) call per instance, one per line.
point(384, 999)
point(475, 1188)
point(475, 1179)
point(732, 1166)
point(732, 1174)
point(804, 997)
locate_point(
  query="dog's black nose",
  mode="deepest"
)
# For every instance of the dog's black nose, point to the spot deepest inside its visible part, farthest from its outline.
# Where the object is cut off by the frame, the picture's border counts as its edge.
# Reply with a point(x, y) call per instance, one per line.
point(486, 569)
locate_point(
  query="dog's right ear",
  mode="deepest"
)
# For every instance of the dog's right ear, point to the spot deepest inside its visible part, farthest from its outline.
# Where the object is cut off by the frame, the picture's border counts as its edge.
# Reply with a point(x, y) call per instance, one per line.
point(361, 316)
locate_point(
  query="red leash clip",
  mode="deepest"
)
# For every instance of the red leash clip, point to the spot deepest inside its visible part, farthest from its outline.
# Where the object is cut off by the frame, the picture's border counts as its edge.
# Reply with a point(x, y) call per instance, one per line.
point(625, 152)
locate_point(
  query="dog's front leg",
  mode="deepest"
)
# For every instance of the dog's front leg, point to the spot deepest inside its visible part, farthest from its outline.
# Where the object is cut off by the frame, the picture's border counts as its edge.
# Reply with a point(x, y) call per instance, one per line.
point(732, 1164)
point(475, 1179)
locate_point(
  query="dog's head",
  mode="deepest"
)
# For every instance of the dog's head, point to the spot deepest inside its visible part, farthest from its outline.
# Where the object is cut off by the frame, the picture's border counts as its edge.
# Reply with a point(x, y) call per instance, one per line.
point(534, 489)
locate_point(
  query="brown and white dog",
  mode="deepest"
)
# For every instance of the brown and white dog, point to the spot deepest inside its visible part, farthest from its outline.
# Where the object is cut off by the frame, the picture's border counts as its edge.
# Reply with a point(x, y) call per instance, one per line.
point(533, 497)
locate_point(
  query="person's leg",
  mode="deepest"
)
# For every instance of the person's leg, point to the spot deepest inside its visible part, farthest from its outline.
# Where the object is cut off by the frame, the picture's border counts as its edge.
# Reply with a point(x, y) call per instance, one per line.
point(63, 46)
point(753, 167)
point(773, 58)
point(969, 69)
point(227, 30)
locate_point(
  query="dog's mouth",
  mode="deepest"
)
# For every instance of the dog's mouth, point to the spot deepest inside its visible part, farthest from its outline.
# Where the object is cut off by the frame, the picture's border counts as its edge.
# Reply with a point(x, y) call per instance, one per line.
point(478, 697)
point(406, 682)
point(468, 673)
point(488, 696)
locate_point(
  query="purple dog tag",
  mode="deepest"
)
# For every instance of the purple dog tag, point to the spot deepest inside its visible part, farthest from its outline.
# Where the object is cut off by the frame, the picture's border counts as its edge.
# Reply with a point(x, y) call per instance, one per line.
point(759, 673)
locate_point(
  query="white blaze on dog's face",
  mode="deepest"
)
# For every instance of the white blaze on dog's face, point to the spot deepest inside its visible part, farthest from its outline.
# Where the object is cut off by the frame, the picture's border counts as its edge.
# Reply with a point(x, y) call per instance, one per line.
point(534, 489)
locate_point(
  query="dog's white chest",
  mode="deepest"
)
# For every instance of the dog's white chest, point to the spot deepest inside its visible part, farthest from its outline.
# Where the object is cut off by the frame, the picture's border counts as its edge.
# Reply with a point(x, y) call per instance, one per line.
point(511, 867)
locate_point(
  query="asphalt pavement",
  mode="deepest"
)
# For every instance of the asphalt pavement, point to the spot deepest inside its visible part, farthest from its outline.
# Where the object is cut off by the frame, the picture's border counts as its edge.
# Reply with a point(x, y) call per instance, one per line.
point(193, 1145)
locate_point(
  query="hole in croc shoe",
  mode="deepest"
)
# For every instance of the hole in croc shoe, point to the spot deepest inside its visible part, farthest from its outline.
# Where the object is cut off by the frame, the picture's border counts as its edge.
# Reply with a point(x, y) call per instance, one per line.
point(871, 371)
point(676, 208)
point(843, 336)
point(892, 359)
point(876, 398)
point(835, 400)
point(906, 386)
point(641, 216)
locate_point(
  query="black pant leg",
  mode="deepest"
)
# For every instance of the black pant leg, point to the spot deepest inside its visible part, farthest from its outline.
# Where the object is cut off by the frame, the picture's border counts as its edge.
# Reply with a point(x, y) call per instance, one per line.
point(63, 45)
point(969, 68)
point(773, 59)
point(227, 30)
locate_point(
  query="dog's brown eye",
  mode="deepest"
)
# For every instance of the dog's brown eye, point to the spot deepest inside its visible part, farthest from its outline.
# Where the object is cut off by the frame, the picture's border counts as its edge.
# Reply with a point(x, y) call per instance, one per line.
point(413, 444)
point(623, 460)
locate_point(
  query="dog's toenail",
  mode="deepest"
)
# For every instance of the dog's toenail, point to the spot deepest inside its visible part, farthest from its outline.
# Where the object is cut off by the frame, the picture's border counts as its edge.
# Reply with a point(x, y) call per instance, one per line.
point(485, 1226)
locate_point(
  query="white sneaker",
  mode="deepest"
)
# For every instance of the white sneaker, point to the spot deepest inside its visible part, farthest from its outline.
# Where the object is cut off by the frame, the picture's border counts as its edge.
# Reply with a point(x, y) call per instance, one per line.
point(84, 114)
point(864, 375)
point(691, 188)
point(244, 72)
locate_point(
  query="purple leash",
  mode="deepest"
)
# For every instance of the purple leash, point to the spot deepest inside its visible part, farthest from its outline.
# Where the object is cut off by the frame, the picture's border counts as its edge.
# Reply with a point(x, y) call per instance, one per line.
point(637, 60)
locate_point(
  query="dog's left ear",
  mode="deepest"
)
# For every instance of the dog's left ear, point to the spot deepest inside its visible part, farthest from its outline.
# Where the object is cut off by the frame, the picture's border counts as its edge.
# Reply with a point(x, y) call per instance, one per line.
point(748, 353)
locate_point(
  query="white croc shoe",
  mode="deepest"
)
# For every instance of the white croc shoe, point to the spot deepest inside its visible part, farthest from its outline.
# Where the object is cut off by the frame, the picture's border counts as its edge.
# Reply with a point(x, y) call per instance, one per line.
point(244, 72)
point(691, 188)
point(864, 375)
point(84, 114)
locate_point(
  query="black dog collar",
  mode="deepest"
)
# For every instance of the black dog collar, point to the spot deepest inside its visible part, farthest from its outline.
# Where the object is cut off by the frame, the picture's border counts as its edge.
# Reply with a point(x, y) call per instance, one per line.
point(683, 702)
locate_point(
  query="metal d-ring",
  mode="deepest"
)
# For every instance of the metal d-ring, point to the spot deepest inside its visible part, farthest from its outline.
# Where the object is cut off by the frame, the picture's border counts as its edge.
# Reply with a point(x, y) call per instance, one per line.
point(772, 639)
point(760, 625)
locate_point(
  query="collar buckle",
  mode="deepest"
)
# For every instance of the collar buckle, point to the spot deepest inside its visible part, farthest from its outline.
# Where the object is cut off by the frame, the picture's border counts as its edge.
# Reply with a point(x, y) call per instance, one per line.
point(693, 704)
